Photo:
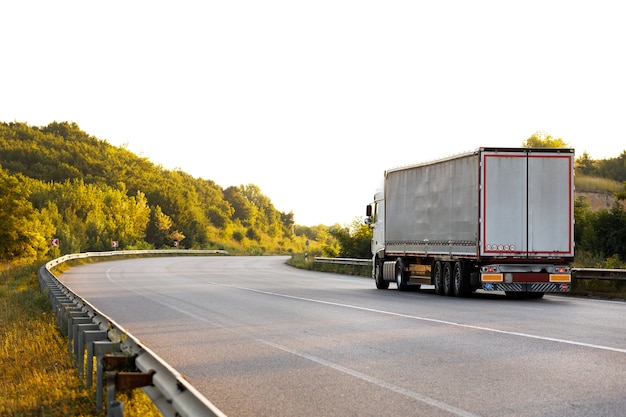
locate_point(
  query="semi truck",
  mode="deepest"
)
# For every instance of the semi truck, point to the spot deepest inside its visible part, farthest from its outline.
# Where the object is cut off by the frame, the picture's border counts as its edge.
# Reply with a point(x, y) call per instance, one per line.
point(493, 219)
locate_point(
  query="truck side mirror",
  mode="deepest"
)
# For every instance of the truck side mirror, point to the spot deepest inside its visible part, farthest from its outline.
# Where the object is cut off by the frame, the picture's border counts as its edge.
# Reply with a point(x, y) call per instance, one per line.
point(368, 210)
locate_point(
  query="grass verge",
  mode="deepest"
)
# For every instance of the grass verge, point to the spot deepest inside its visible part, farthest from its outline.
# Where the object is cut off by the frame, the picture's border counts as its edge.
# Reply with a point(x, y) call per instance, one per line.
point(587, 183)
point(37, 376)
point(602, 289)
point(301, 261)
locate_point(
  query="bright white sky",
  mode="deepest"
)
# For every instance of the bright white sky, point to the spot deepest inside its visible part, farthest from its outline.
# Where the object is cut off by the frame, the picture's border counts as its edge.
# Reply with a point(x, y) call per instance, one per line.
point(313, 100)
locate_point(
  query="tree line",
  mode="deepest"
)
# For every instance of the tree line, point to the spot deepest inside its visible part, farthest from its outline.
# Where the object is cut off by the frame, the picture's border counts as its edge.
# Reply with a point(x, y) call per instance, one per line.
point(57, 181)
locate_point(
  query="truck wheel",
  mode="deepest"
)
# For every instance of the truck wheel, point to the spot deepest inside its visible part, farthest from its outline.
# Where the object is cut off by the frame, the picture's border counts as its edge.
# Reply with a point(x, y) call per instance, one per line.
point(437, 277)
point(460, 280)
point(381, 284)
point(401, 278)
point(448, 285)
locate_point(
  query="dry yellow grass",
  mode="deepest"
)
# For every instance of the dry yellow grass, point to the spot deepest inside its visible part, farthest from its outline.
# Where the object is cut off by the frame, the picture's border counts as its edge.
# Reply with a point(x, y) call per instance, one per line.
point(586, 183)
point(37, 377)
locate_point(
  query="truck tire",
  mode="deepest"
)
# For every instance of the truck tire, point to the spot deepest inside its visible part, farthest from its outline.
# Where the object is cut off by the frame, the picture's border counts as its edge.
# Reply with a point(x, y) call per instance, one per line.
point(460, 280)
point(401, 278)
point(448, 284)
point(437, 277)
point(381, 284)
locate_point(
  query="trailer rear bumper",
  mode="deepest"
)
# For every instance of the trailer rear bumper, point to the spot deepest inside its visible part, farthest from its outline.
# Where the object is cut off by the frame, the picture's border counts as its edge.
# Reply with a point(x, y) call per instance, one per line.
point(558, 287)
point(539, 278)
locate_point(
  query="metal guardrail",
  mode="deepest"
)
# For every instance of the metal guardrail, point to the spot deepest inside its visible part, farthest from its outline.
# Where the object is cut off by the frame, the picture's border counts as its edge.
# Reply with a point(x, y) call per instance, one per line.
point(123, 362)
point(601, 274)
point(83, 255)
point(577, 273)
point(343, 261)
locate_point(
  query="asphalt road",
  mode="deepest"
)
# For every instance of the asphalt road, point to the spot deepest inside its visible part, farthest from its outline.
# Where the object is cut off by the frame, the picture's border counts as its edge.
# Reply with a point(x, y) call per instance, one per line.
point(260, 338)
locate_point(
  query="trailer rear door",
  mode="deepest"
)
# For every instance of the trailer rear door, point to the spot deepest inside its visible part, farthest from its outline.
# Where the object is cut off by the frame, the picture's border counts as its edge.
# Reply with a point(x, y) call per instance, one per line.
point(527, 203)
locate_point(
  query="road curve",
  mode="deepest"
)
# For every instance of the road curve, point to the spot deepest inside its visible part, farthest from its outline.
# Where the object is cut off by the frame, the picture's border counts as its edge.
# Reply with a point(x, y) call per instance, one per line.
point(260, 338)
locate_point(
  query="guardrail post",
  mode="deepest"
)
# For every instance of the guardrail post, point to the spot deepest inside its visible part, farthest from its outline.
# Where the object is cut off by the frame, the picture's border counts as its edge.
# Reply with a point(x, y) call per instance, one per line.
point(116, 409)
point(118, 377)
point(62, 313)
point(55, 294)
point(79, 348)
point(110, 377)
point(74, 318)
point(100, 349)
point(42, 280)
point(92, 336)
point(58, 299)
point(119, 381)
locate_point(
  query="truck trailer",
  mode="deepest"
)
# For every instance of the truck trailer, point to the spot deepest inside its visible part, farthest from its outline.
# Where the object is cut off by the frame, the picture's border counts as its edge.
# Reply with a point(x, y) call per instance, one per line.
point(494, 219)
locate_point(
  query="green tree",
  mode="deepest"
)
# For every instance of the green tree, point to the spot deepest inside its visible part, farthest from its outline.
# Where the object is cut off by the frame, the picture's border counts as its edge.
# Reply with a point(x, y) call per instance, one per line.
point(126, 217)
point(71, 230)
point(288, 222)
point(24, 232)
point(586, 166)
point(217, 216)
point(252, 234)
point(354, 241)
point(543, 140)
point(243, 209)
point(610, 229)
point(614, 168)
point(584, 233)
point(159, 228)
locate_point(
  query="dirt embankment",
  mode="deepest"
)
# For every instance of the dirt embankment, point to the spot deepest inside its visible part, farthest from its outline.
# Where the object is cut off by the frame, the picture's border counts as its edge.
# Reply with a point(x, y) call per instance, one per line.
point(598, 200)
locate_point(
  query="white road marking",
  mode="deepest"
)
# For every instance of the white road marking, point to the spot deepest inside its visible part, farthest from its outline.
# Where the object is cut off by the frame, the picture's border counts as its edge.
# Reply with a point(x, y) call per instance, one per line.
point(364, 377)
point(431, 320)
point(408, 316)
point(372, 380)
point(367, 378)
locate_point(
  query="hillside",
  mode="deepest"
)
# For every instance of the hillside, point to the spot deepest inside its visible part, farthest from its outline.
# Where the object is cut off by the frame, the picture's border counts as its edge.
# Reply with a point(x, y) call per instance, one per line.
point(89, 193)
point(598, 191)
